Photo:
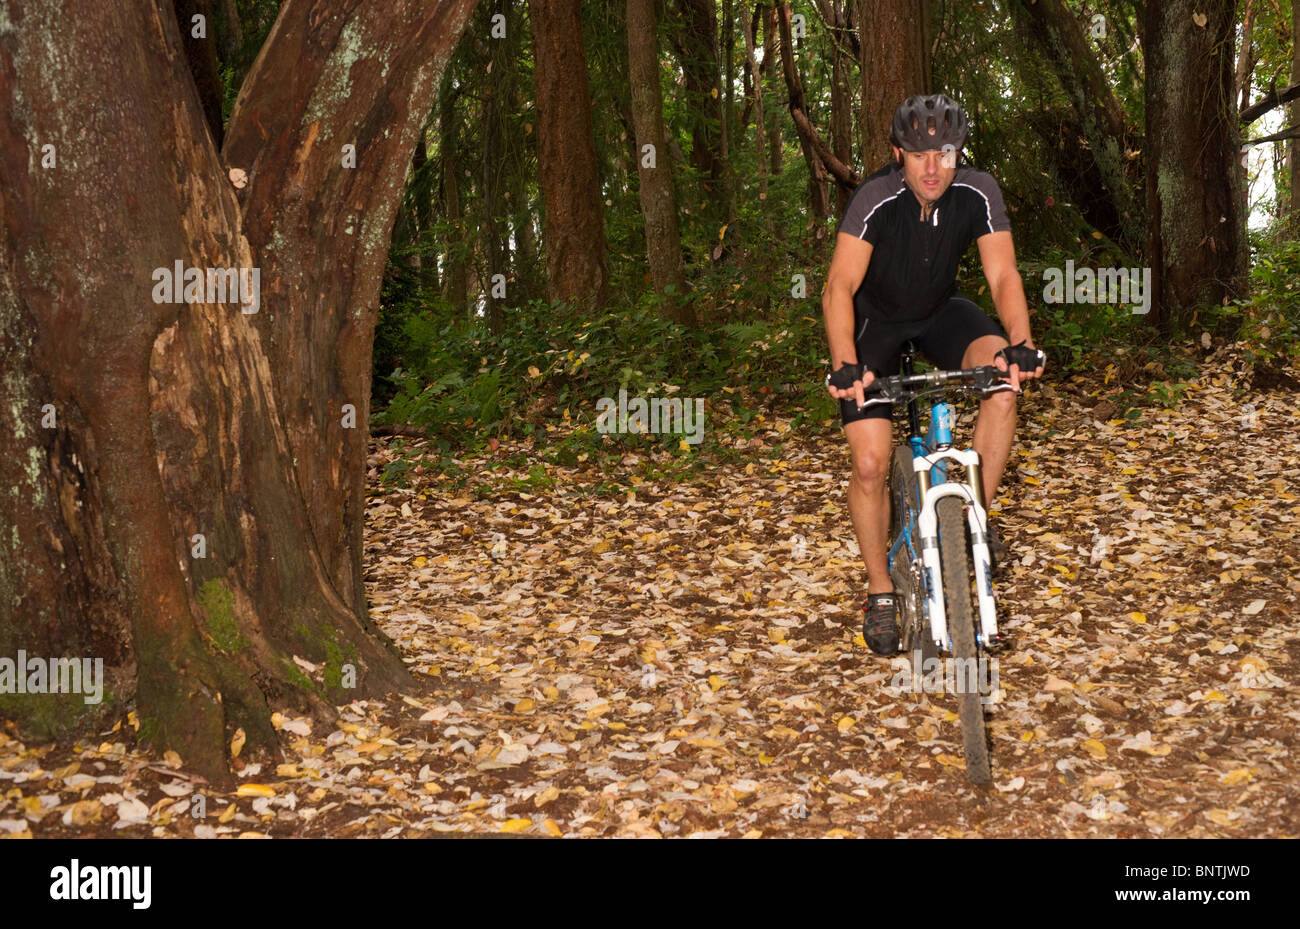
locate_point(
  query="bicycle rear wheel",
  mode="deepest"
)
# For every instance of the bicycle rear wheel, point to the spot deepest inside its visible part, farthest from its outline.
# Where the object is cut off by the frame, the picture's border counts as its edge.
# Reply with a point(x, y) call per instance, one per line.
point(955, 557)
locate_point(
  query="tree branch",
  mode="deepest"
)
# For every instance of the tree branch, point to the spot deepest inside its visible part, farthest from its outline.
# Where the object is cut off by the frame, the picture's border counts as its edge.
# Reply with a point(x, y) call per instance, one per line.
point(1292, 132)
point(843, 173)
point(1270, 101)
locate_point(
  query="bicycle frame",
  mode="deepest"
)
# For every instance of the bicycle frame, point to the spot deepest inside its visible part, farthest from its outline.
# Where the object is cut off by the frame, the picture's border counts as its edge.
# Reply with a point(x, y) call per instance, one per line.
point(931, 457)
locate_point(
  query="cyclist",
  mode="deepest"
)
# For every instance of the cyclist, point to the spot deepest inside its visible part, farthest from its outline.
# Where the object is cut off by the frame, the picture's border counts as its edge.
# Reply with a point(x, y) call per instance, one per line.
point(892, 279)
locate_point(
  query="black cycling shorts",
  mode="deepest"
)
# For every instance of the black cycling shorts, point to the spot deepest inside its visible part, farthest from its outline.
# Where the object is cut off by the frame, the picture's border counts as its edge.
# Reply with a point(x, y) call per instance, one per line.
point(942, 338)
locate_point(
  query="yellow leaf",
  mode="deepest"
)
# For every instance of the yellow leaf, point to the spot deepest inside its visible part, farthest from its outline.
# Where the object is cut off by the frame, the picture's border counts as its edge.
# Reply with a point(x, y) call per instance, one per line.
point(287, 770)
point(950, 761)
point(765, 759)
point(1094, 748)
point(1138, 617)
point(715, 683)
point(550, 828)
point(516, 825)
point(546, 796)
point(525, 705)
point(255, 790)
point(859, 641)
point(1222, 817)
point(683, 446)
point(227, 814)
point(1030, 480)
point(237, 742)
point(1237, 777)
point(600, 547)
point(1215, 697)
point(838, 833)
point(846, 723)
point(420, 562)
point(533, 372)
point(753, 834)
point(776, 634)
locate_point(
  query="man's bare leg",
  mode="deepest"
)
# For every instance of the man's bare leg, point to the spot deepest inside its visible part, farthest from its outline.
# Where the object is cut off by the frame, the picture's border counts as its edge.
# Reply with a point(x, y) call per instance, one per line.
point(870, 441)
point(995, 427)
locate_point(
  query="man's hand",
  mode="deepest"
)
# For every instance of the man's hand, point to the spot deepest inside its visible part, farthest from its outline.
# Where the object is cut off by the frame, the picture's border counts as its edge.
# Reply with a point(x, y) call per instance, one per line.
point(855, 380)
point(1021, 351)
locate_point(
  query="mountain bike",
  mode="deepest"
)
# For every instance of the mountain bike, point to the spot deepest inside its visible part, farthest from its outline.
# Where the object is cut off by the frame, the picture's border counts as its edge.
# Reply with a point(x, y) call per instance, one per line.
point(939, 549)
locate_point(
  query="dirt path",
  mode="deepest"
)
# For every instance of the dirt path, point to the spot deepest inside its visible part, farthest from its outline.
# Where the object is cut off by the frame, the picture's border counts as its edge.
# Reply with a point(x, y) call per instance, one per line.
point(686, 660)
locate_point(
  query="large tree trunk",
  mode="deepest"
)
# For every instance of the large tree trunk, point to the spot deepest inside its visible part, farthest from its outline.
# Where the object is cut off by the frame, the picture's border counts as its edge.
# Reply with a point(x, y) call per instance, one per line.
point(658, 202)
point(894, 65)
point(574, 229)
point(180, 420)
point(1076, 64)
point(1196, 225)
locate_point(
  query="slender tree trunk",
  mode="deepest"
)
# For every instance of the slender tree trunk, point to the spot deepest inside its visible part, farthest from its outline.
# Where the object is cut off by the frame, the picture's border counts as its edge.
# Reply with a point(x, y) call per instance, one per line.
point(498, 97)
point(815, 152)
point(841, 108)
point(181, 510)
point(455, 259)
point(760, 131)
point(771, 54)
point(727, 53)
point(696, 45)
point(1196, 224)
point(232, 32)
point(574, 230)
point(658, 203)
point(1293, 149)
point(894, 66)
point(1246, 57)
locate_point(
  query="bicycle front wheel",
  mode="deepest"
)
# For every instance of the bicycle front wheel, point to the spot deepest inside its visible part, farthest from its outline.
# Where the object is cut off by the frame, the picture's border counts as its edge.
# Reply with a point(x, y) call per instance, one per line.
point(955, 558)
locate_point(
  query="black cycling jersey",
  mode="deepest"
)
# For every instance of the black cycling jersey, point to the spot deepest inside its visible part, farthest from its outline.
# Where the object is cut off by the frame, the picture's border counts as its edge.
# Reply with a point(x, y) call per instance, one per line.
point(913, 268)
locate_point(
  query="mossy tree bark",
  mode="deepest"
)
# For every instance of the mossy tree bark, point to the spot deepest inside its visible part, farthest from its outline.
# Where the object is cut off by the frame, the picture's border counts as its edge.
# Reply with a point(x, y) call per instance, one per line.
point(133, 427)
point(1196, 222)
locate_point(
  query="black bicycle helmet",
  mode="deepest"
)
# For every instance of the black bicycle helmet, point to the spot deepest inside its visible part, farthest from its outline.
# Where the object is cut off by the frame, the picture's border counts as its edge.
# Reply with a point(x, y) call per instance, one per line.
point(926, 123)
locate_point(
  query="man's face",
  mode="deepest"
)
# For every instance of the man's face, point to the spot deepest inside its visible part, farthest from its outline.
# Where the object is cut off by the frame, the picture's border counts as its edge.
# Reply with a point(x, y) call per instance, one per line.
point(928, 174)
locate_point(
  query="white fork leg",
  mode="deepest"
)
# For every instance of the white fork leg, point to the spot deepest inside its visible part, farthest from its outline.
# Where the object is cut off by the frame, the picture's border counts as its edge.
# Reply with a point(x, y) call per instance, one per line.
point(928, 525)
point(983, 571)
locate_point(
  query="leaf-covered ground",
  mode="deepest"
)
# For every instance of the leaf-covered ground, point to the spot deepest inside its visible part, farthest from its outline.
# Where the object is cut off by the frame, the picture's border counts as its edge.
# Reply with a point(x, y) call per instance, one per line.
point(685, 659)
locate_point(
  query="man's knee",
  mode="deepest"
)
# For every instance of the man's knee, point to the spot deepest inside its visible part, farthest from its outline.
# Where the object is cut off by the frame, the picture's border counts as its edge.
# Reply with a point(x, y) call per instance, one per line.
point(871, 470)
point(1002, 403)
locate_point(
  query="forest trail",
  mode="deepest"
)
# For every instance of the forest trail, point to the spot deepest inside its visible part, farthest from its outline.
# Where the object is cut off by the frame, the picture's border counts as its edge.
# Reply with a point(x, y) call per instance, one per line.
point(686, 659)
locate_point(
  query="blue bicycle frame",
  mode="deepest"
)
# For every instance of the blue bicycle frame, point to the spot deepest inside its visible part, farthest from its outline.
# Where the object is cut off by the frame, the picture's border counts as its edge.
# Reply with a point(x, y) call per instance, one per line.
point(920, 523)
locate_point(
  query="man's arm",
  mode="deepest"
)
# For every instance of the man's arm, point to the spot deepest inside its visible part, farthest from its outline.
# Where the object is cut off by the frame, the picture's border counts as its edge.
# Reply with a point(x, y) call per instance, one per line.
point(998, 255)
point(848, 267)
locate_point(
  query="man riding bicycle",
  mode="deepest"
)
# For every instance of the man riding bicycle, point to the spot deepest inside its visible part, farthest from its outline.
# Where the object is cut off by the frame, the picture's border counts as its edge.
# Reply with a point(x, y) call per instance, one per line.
point(892, 280)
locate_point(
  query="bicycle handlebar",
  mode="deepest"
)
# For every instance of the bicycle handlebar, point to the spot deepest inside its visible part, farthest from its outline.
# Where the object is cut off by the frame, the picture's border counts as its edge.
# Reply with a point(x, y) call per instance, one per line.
point(900, 388)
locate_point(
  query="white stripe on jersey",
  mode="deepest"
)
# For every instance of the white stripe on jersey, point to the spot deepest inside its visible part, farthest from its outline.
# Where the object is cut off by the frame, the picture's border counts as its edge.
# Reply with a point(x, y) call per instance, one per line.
point(863, 233)
point(988, 207)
